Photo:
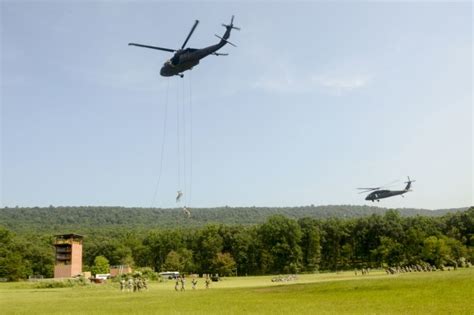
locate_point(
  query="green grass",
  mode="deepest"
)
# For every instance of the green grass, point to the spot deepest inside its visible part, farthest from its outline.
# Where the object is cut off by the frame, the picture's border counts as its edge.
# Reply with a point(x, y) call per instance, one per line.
point(344, 293)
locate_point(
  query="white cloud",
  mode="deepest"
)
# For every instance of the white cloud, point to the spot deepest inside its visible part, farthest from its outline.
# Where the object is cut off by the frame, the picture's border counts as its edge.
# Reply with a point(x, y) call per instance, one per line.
point(342, 84)
point(283, 75)
point(113, 74)
point(333, 84)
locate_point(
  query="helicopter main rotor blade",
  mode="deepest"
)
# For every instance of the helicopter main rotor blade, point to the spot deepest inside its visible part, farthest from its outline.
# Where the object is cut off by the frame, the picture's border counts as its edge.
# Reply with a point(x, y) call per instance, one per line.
point(392, 183)
point(365, 190)
point(190, 33)
point(152, 47)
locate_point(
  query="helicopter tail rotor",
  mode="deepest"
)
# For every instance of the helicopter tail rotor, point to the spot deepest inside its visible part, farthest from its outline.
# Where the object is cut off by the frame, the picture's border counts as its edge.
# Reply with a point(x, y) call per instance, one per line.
point(408, 186)
point(231, 25)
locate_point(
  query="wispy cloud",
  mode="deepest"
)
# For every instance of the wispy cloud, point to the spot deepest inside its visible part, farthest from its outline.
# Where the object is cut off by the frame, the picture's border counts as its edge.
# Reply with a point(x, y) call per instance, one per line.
point(341, 84)
point(284, 75)
point(333, 84)
point(280, 72)
point(131, 77)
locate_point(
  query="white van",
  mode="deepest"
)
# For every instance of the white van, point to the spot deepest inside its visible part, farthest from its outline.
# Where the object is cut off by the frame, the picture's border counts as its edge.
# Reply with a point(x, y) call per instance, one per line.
point(170, 274)
point(103, 276)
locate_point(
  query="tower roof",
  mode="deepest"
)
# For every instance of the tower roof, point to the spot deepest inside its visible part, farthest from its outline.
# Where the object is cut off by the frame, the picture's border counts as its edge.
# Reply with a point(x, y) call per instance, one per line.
point(71, 235)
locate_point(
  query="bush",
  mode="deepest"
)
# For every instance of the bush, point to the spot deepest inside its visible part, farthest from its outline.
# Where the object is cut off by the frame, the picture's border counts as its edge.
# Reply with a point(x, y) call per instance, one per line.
point(68, 283)
point(148, 273)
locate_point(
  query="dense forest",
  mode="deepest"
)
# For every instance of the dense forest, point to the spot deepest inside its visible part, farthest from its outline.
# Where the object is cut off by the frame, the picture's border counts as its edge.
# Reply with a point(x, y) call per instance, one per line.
point(84, 219)
point(280, 244)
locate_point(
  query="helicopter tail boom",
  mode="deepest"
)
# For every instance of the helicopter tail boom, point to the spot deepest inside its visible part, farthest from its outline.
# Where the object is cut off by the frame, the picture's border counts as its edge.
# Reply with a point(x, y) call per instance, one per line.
point(224, 39)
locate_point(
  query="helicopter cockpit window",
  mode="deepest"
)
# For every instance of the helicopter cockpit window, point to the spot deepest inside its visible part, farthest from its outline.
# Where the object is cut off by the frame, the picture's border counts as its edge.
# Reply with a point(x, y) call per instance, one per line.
point(175, 60)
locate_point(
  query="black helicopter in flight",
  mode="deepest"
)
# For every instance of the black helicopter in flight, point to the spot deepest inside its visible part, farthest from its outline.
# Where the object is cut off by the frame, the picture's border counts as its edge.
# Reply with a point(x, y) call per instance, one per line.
point(186, 58)
point(378, 193)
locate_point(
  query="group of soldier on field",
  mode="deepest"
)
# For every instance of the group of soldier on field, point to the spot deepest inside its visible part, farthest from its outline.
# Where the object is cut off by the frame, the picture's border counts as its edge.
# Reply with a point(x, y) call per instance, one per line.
point(133, 284)
point(413, 268)
point(137, 283)
point(180, 283)
point(418, 268)
point(364, 271)
point(287, 278)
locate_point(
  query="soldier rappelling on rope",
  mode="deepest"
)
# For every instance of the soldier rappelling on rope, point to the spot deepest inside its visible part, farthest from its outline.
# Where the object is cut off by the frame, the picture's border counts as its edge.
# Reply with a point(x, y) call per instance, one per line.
point(179, 194)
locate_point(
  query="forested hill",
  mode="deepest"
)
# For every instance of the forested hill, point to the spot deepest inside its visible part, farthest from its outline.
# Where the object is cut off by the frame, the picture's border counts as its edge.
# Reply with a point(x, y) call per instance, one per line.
point(67, 219)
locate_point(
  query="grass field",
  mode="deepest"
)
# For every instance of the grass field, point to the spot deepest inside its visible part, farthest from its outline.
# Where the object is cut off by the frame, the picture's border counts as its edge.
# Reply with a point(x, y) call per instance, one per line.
point(343, 293)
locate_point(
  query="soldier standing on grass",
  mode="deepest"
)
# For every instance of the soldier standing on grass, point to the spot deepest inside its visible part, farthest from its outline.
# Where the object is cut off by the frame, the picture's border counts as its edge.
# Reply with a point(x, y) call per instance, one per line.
point(134, 282)
point(194, 282)
point(176, 285)
point(130, 285)
point(208, 281)
point(183, 281)
point(139, 284)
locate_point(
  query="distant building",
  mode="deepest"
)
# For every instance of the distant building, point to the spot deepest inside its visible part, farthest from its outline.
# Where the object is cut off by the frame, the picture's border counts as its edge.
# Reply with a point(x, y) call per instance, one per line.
point(68, 261)
point(120, 270)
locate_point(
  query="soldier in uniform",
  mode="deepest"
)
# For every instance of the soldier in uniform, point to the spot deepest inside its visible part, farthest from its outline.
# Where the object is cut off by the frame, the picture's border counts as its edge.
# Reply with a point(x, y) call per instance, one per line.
point(194, 283)
point(122, 285)
point(187, 212)
point(179, 194)
point(135, 285)
point(183, 282)
point(208, 281)
point(130, 285)
point(176, 285)
point(139, 284)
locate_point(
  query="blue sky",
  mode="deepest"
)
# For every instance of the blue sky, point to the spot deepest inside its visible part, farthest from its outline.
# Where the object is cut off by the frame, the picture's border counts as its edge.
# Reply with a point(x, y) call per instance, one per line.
point(316, 100)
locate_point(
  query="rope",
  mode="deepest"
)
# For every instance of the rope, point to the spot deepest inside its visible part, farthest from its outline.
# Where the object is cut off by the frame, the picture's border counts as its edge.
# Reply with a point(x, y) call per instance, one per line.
point(181, 139)
point(178, 138)
point(190, 138)
point(184, 143)
point(163, 141)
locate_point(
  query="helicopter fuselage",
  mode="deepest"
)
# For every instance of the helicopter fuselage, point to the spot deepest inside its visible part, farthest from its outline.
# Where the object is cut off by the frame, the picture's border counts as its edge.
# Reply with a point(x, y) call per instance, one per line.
point(169, 69)
point(380, 194)
point(187, 58)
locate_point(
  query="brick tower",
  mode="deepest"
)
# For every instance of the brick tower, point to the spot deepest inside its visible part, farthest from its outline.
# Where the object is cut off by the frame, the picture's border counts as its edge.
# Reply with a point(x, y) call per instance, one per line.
point(68, 255)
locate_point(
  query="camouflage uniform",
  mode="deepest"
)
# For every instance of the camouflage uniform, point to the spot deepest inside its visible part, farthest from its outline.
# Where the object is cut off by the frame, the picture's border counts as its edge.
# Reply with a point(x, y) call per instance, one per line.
point(176, 286)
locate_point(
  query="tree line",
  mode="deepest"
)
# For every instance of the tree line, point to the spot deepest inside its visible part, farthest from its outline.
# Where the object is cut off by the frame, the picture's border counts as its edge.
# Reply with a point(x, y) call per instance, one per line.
point(90, 218)
point(278, 245)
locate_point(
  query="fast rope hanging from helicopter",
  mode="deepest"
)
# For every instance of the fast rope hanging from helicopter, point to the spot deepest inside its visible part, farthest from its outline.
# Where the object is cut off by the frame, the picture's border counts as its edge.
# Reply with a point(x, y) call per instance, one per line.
point(184, 144)
point(181, 143)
